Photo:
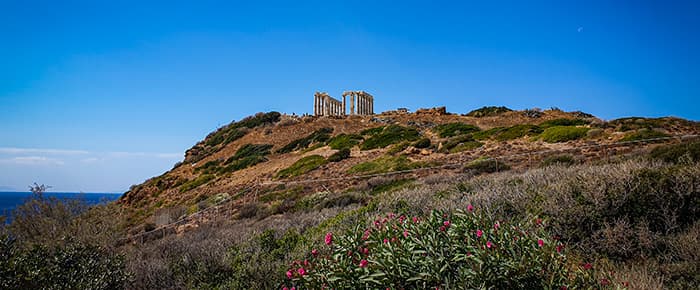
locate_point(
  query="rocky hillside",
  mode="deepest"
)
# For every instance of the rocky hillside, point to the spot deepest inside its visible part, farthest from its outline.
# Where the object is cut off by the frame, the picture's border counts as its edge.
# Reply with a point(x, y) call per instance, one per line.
point(272, 159)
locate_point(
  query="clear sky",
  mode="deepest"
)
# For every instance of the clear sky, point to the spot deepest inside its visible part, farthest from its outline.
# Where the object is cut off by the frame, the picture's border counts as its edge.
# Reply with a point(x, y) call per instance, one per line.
point(99, 95)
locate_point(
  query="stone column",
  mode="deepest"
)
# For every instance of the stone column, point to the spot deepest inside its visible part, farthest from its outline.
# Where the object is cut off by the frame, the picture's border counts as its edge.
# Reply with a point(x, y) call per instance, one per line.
point(344, 108)
point(361, 105)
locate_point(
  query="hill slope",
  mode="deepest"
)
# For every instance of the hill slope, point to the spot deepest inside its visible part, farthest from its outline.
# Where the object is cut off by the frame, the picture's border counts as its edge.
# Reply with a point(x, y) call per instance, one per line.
point(256, 159)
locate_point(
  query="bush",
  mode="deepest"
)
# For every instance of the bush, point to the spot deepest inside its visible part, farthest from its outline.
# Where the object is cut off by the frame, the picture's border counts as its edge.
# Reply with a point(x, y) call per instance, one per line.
point(386, 164)
point(397, 148)
point(643, 134)
point(202, 179)
point(341, 155)
point(319, 136)
point(390, 135)
point(673, 153)
point(487, 134)
point(466, 146)
point(73, 266)
point(454, 129)
point(443, 250)
point(566, 160)
point(344, 141)
point(563, 133)
point(488, 111)
point(302, 166)
point(563, 122)
point(248, 150)
point(372, 131)
point(242, 163)
point(486, 165)
point(422, 143)
point(517, 131)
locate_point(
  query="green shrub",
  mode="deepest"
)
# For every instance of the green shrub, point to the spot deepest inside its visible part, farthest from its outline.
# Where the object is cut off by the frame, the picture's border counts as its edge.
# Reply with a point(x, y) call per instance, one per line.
point(344, 141)
point(342, 154)
point(243, 163)
point(517, 131)
point(637, 123)
point(209, 167)
point(386, 164)
point(422, 143)
point(443, 250)
point(643, 134)
point(454, 129)
point(73, 266)
point(466, 146)
point(566, 160)
point(487, 134)
point(319, 136)
point(563, 133)
point(460, 143)
point(486, 165)
point(673, 153)
point(372, 131)
point(302, 166)
point(248, 150)
point(400, 147)
point(389, 185)
point(563, 122)
point(390, 135)
point(202, 179)
point(488, 111)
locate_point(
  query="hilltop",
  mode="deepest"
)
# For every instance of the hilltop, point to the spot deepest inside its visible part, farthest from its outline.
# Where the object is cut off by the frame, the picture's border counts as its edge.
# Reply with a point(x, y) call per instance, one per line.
point(255, 159)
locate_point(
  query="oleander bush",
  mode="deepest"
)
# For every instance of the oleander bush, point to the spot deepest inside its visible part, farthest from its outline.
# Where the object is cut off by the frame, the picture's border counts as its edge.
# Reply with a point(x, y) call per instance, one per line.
point(443, 250)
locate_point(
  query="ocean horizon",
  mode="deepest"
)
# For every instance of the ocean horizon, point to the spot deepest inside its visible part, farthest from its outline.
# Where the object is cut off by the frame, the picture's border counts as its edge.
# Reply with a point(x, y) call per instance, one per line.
point(9, 200)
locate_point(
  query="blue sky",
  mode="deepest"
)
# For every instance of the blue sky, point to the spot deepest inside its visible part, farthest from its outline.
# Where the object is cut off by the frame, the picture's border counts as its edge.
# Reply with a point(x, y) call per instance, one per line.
point(99, 95)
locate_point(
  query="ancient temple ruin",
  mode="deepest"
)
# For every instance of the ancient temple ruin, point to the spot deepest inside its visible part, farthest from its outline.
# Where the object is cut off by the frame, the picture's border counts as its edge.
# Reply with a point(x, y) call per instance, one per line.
point(361, 103)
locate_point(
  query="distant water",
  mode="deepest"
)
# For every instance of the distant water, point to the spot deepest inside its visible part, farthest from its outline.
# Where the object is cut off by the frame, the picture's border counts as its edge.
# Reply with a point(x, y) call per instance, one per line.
point(10, 200)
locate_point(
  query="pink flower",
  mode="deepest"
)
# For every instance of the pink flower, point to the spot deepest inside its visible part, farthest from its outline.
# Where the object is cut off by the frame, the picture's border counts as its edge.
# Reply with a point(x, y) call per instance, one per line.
point(402, 218)
point(587, 266)
point(391, 215)
point(470, 208)
point(306, 263)
point(559, 248)
point(290, 274)
point(446, 223)
point(496, 226)
point(285, 288)
point(329, 238)
point(540, 243)
point(405, 234)
point(363, 263)
point(301, 271)
point(394, 239)
point(415, 220)
point(442, 228)
point(366, 235)
point(314, 252)
point(365, 251)
point(604, 282)
point(293, 288)
point(386, 241)
point(377, 223)
point(479, 233)
point(563, 288)
point(349, 253)
point(488, 244)
point(538, 222)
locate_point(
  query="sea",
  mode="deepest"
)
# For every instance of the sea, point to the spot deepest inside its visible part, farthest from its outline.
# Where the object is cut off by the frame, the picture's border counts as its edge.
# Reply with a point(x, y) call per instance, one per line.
point(10, 200)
